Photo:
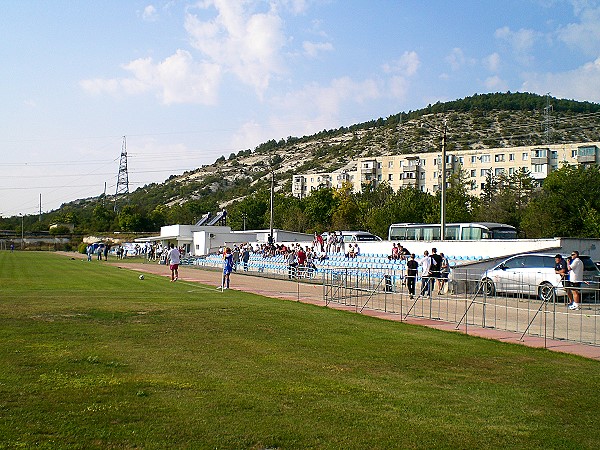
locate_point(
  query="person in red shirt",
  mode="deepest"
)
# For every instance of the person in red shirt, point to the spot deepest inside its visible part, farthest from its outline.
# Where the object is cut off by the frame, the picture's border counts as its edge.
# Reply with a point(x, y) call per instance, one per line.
point(301, 255)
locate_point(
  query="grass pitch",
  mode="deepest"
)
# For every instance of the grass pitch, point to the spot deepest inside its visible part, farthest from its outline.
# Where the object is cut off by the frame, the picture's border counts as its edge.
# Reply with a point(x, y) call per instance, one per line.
point(93, 357)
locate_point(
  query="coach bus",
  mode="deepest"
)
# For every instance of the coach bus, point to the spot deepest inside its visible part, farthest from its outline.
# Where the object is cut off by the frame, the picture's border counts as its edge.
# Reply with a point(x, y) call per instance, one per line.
point(472, 231)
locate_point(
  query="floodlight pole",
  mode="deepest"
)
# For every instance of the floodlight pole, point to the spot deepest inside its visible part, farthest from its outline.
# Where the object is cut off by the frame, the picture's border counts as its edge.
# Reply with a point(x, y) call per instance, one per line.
point(443, 196)
point(271, 240)
point(22, 232)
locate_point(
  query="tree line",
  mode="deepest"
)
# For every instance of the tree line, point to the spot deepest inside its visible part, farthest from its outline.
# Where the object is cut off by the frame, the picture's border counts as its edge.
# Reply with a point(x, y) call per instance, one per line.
point(566, 205)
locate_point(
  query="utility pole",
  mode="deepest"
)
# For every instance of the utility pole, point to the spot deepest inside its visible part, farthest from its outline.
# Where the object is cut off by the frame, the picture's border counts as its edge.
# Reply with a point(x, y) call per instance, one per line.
point(122, 176)
point(443, 196)
point(547, 118)
point(271, 240)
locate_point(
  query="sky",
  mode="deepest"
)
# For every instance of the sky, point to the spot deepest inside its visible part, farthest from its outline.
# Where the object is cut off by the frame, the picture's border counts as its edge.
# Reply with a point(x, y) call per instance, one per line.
point(177, 84)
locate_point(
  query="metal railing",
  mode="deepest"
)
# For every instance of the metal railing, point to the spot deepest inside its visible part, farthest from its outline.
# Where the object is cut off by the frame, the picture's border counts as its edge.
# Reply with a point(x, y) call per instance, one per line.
point(465, 301)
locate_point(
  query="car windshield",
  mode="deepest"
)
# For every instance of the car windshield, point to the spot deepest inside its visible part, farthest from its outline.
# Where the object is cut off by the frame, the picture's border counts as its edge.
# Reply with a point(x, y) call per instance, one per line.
point(588, 264)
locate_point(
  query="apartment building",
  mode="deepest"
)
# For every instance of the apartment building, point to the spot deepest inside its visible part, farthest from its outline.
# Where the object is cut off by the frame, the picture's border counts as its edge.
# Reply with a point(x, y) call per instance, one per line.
point(424, 170)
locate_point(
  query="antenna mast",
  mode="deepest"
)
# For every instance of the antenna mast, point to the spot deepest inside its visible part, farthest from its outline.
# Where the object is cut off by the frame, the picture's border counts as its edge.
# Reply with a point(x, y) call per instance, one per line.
point(123, 176)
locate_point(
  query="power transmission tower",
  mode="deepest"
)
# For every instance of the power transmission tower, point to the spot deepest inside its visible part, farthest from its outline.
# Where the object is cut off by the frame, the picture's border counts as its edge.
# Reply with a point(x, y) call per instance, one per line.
point(123, 176)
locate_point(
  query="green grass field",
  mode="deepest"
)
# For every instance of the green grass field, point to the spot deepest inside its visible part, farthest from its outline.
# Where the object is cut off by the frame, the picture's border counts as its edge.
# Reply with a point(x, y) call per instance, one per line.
point(93, 357)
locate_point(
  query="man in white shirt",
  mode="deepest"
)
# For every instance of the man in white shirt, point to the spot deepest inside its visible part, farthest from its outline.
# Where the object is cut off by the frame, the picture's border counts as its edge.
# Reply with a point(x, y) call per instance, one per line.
point(575, 266)
point(174, 258)
point(426, 274)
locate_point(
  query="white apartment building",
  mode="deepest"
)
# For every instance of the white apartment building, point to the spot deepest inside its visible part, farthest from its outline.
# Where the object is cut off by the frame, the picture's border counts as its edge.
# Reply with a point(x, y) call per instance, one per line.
point(424, 170)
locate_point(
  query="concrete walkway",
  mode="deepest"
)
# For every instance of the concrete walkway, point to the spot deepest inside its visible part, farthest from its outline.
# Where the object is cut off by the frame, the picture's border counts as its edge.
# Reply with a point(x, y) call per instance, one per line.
point(313, 294)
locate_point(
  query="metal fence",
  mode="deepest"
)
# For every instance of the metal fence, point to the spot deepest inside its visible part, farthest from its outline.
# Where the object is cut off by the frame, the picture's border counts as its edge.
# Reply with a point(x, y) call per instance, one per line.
point(464, 301)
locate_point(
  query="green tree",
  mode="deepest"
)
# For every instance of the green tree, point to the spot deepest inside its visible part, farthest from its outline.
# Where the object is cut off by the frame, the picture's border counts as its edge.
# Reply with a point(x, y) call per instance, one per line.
point(131, 220)
point(460, 205)
point(102, 218)
point(347, 215)
point(319, 207)
point(567, 205)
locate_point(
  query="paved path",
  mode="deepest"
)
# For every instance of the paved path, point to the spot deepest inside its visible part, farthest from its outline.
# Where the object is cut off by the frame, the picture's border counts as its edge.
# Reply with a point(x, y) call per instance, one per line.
point(313, 294)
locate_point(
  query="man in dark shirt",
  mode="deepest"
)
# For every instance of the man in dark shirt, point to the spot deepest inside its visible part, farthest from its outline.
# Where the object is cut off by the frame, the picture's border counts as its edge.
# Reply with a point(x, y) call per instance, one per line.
point(411, 275)
point(561, 268)
point(436, 265)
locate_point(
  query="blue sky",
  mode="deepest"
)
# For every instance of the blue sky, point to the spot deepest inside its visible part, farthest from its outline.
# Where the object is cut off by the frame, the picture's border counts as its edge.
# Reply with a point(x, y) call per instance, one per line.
point(189, 81)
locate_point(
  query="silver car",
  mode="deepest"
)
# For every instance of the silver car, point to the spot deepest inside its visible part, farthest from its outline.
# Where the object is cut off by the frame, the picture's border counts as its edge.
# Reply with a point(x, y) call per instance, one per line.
point(532, 274)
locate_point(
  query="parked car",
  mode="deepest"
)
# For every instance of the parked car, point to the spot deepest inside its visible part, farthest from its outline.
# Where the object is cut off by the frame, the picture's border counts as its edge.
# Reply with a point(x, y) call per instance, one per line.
point(533, 274)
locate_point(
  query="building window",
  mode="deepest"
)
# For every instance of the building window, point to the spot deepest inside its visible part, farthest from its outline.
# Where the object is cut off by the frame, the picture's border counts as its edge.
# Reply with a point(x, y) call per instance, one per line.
point(390, 164)
point(461, 160)
point(538, 168)
point(484, 172)
point(499, 158)
point(485, 158)
point(498, 171)
point(511, 171)
point(435, 175)
point(554, 154)
point(540, 153)
point(511, 157)
point(473, 159)
point(573, 153)
point(390, 177)
point(473, 173)
point(525, 156)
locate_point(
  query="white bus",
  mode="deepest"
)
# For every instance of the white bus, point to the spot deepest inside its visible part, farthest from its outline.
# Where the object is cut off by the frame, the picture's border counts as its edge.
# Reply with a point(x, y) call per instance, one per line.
point(472, 231)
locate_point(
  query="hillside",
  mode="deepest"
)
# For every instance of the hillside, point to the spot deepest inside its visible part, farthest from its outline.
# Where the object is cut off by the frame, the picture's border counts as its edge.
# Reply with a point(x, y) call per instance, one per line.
point(476, 122)
point(473, 123)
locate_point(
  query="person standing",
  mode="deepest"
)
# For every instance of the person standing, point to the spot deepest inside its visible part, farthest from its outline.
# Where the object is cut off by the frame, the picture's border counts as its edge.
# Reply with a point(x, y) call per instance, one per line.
point(436, 266)
point(444, 273)
point(575, 266)
point(426, 264)
point(412, 272)
point(560, 268)
point(174, 258)
point(227, 268)
point(246, 257)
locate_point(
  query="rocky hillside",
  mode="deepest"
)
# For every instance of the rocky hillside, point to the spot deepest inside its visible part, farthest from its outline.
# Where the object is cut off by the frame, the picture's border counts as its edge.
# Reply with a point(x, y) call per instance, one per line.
point(480, 121)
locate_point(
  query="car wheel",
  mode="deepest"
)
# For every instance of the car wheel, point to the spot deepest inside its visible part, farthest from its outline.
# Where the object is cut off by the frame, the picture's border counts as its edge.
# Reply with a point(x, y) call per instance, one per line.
point(546, 292)
point(487, 287)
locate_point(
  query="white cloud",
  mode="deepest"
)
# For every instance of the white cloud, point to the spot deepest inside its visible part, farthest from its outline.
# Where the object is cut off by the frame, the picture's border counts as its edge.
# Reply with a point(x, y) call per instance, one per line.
point(401, 70)
point(305, 111)
point(312, 49)
point(521, 42)
point(584, 35)
point(406, 65)
point(235, 41)
point(492, 62)
point(582, 83)
point(149, 14)
point(457, 59)
point(495, 83)
point(177, 79)
point(247, 45)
